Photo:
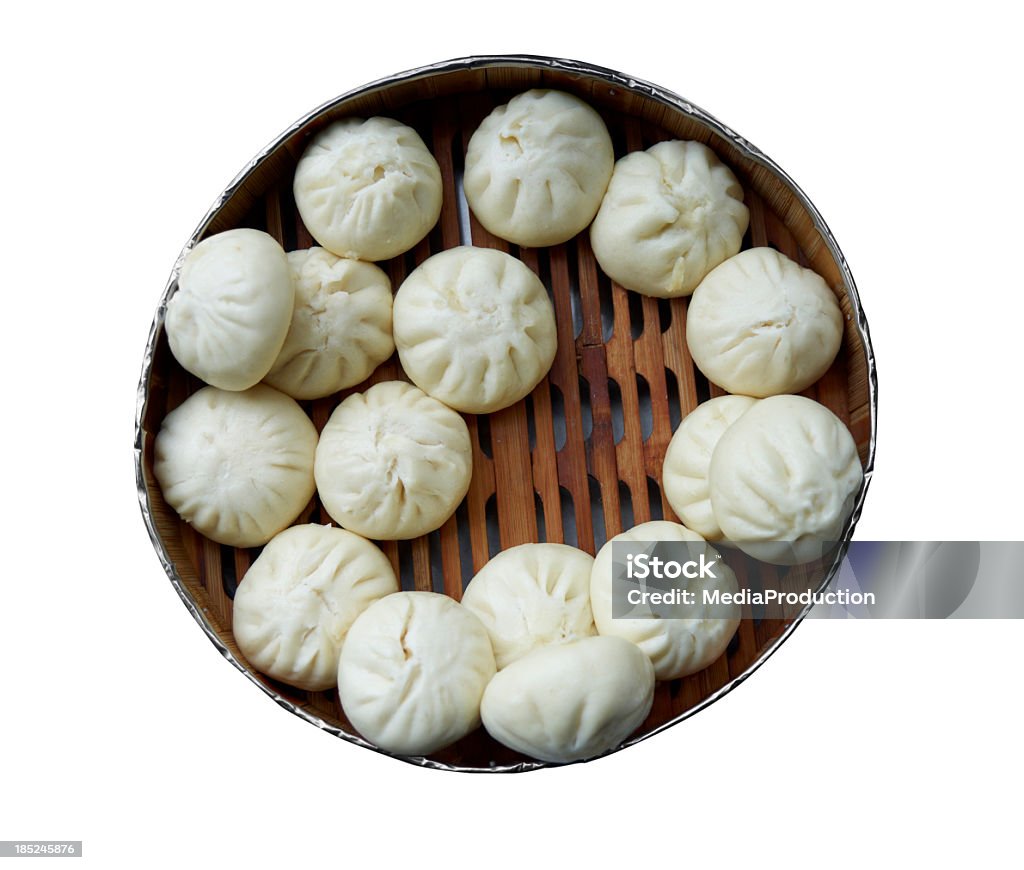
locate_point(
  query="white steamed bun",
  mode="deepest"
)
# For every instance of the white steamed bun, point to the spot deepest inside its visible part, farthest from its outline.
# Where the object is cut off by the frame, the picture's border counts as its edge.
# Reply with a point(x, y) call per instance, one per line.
point(340, 328)
point(530, 596)
point(393, 463)
point(298, 600)
point(695, 636)
point(474, 327)
point(230, 314)
point(684, 474)
point(570, 702)
point(368, 189)
point(761, 325)
point(671, 214)
point(783, 478)
point(237, 466)
point(412, 671)
point(537, 167)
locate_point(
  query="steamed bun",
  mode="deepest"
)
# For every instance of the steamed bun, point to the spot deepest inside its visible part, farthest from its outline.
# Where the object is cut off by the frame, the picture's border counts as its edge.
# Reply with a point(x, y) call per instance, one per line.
point(695, 636)
point(298, 600)
point(570, 702)
point(229, 316)
point(537, 167)
point(530, 596)
point(761, 324)
point(237, 466)
point(393, 463)
point(783, 478)
point(412, 671)
point(474, 327)
point(684, 474)
point(368, 189)
point(340, 328)
point(671, 214)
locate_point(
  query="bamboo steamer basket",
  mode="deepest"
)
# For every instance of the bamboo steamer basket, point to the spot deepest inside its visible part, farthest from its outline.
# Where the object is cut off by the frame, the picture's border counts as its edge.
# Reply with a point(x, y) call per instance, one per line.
point(577, 461)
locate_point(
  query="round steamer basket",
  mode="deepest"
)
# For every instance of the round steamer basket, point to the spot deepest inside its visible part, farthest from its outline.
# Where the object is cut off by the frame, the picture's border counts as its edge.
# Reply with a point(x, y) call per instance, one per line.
point(577, 461)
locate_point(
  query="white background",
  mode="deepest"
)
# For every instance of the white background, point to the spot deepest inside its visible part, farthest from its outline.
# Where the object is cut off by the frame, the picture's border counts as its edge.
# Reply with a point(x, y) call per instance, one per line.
point(857, 742)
